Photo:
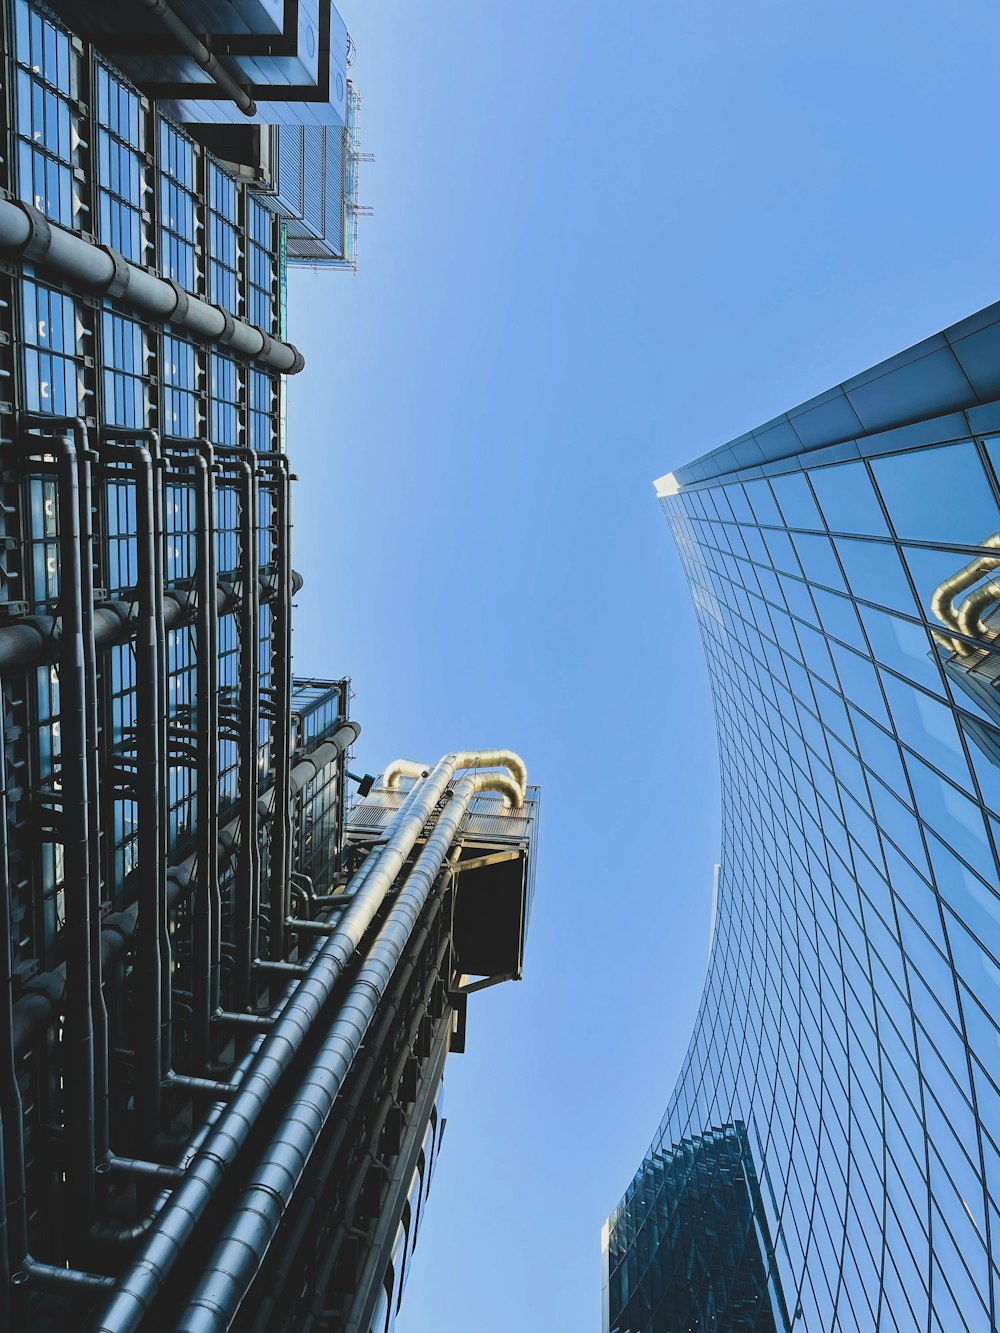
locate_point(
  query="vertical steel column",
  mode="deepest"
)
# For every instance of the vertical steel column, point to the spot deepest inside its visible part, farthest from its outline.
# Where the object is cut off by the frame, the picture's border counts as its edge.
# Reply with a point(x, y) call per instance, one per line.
point(246, 895)
point(79, 439)
point(151, 922)
point(281, 692)
point(82, 959)
point(13, 1200)
point(206, 922)
point(151, 439)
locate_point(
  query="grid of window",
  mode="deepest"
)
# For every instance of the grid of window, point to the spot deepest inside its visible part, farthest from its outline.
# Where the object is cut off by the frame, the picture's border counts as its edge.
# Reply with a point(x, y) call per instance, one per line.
point(180, 532)
point(264, 679)
point(260, 265)
point(43, 530)
point(178, 207)
point(46, 82)
point(180, 388)
point(119, 546)
point(849, 1015)
point(51, 344)
point(265, 528)
point(124, 347)
point(224, 400)
point(121, 179)
point(228, 687)
point(223, 240)
point(317, 838)
point(261, 387)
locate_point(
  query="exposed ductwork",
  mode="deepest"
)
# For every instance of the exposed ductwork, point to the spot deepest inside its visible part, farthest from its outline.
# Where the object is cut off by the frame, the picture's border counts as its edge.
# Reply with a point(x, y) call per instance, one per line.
point(410, 768)
point(27, 234)
point(965, 619)
point(139, 1288)
point(263, 1201)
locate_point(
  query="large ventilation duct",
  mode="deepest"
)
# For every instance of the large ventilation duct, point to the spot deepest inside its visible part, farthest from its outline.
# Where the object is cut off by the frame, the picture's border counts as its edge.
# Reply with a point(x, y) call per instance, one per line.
point(141, 1285)
point(965, 619)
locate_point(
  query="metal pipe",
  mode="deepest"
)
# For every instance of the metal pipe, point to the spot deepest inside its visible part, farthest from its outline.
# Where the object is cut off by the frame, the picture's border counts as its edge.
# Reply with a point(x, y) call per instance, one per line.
point(139, 1287)
point(13, 1191)
point(206, 916)
point(280, 847)
point(237, 1258)
point(201, 55)
point(968, 613)
point(507, 759)
point(943, 596)
point(312, 764)
point(26, 234)
point(34, 640)
point(40, 1004)
point(151, 439)
point(246, 891)
point(80, 1091)
point(48, 1277)
point(89, 994)
point(151, 926)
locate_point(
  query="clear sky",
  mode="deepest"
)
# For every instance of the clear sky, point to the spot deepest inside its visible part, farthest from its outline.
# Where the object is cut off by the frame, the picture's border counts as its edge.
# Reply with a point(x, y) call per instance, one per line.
point(607, 237)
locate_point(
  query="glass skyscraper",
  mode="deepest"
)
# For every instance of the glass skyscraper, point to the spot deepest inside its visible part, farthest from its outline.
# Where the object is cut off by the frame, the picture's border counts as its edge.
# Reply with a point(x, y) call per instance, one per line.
point(841, 559)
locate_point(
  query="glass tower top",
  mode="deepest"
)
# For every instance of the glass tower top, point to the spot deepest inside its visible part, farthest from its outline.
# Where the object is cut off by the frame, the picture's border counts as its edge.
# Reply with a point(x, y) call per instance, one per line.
point(844, 562)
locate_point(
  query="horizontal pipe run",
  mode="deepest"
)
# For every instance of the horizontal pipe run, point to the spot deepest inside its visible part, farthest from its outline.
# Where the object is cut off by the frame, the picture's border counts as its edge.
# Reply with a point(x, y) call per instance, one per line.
point(206, 1087)
point(47, 1277)
point(255, 1022)
point(34, 640)
point(27, 234)
point(134, 1168)
point(301, 927)
point(279, 968)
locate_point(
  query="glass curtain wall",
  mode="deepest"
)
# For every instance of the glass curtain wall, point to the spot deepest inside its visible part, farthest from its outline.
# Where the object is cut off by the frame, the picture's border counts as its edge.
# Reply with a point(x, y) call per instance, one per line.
point(850, 619)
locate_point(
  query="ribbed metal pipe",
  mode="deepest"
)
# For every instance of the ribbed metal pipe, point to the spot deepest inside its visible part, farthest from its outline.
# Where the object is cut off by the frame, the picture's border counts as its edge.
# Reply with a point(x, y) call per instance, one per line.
point(943, 597)
point(229, 1272)
point(27, 234)
point(140, 1286)
point(515, 765)
point(970, 610)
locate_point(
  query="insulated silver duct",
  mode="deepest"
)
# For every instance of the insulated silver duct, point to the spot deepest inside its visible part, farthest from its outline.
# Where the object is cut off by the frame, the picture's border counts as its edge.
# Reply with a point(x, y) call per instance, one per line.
point(513, 763)
point(27, 234)
point(241, 1251)
point(175, 1225)
point(965, 621)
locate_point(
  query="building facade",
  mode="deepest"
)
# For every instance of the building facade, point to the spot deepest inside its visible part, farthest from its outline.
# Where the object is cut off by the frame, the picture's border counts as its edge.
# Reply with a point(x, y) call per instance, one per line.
point(229, 992)
point(841, 562)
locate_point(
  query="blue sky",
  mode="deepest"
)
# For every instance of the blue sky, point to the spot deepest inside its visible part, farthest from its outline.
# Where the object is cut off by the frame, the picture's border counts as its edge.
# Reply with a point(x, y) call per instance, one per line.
point(606, 238)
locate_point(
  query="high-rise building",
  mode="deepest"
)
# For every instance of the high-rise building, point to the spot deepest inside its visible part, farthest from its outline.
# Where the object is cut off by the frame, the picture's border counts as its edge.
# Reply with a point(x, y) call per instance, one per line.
point(229, 992)
point(841, 559)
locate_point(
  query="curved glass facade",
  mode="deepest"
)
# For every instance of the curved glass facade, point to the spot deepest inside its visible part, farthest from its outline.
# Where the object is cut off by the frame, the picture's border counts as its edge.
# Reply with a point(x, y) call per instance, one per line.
point(844, 562)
